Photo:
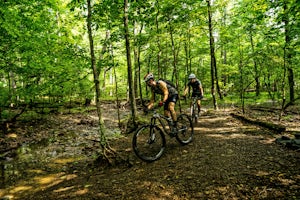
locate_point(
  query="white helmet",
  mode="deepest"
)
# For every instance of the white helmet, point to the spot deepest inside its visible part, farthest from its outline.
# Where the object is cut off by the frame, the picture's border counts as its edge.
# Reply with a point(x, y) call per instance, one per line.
point(148, 77)
point(191, 76)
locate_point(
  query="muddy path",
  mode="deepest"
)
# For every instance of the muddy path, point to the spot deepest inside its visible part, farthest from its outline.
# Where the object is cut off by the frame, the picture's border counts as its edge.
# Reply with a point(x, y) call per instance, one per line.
point(226, 160)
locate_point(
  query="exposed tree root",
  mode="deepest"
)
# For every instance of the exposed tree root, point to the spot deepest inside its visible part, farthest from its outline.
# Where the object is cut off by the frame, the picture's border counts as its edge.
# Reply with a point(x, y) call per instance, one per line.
point(110, 157)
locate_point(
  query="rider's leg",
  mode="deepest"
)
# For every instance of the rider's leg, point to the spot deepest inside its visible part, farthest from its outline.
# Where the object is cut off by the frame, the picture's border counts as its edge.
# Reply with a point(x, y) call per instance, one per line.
point(167, 113)
point(172, 111)
point(166, 110)
point(191, 107)
point(199, 105)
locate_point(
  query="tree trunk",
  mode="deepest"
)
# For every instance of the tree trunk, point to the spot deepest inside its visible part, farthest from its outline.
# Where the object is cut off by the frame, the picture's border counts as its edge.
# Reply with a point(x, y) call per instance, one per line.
point(288, 54)
point(256, 73)
point(159, 68)
point(240, 66)
point(138, 28)
point(129, 68)
point(287, 64)
point(212, 56)
point(116, 85)
point(96, 75)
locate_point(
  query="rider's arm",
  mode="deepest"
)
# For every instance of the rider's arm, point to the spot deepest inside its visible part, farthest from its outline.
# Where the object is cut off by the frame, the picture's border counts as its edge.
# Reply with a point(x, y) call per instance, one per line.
point(201, 89)
point(186, 90)
point(151, 103)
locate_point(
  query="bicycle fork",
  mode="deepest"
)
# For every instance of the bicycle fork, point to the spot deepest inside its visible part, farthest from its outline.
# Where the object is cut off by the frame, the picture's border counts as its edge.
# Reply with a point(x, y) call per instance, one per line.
point(152, 132)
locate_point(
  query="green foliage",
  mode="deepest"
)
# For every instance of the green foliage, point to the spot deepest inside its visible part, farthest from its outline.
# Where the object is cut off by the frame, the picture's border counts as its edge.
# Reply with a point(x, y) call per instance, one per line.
point(44, 51)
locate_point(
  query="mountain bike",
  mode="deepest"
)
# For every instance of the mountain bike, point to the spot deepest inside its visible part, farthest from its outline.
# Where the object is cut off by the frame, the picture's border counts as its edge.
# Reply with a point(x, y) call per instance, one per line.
point(149, 141)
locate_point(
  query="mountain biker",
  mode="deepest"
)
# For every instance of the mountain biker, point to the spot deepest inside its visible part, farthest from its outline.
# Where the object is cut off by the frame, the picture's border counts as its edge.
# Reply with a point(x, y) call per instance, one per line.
point(197, 89)
point(169, 96)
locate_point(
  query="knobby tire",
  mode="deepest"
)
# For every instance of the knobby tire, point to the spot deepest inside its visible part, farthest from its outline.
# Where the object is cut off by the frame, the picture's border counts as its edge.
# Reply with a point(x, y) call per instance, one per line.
point(149, 143)
point(185, 129)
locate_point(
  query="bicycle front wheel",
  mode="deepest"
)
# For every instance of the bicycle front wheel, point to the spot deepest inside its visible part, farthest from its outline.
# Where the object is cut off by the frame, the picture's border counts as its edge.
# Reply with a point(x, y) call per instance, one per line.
point(185, 129)
point(149, 143)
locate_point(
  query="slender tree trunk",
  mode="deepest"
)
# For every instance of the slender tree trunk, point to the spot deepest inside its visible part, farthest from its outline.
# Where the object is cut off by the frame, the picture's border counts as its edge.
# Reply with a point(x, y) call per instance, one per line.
point(224, 50)
point(116, 85)
point(288, 55)
point(159, 68)
point(107, 36)
point(212, 56)
point(288, 70)
point(241, 70)
point(173, 52)
point(257, 83)
point(136, 59)
point(96, 75)
point(175, 74)
point(137, 48)
point(187, 65)
point(217, 79)
point(129, 67)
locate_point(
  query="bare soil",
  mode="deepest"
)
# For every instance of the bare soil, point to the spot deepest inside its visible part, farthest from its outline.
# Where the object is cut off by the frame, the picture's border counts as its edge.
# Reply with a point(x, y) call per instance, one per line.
point(228, 159)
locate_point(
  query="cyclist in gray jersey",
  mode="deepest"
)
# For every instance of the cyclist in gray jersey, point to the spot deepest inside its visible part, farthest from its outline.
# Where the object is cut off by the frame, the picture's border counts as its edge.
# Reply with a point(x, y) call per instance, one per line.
point(197, 89)
point(169, 96)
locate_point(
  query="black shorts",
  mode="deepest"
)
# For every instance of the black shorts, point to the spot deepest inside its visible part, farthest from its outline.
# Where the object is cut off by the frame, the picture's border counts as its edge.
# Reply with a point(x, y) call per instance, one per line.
point(198, 95)
point(172, 98)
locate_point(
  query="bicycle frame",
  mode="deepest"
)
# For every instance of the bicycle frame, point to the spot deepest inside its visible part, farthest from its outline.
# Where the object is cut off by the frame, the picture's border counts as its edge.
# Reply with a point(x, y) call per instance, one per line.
point(162, 119)
point(194, 105)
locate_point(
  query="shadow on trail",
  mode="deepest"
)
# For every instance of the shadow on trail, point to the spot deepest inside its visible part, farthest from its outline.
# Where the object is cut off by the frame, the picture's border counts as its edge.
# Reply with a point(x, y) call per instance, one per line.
point(226, 160)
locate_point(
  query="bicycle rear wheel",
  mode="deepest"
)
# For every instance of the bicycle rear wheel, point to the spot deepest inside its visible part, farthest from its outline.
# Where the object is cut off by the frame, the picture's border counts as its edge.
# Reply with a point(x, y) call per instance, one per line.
point(149, 143)
point(185, 129)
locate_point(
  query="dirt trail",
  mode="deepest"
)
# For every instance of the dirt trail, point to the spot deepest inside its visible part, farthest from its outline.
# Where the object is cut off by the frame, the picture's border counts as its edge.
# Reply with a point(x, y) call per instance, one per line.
point(226, 160)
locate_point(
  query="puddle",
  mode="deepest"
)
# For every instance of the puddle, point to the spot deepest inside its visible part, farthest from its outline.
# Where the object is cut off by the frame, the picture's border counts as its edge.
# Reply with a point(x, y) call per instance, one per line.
point(49, 156)
point(36, 166)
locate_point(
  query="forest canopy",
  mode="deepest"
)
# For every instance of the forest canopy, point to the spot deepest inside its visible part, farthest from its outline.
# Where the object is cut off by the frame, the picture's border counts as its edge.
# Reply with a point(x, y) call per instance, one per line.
point(238, 49)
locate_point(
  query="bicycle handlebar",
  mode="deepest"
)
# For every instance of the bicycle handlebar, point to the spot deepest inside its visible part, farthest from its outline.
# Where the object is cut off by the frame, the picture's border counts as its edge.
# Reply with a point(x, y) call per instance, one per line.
point(153, 109)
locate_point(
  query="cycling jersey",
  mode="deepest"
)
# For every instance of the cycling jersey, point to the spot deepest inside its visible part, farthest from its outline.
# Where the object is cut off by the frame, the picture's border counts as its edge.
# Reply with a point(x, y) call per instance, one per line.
point(172, 91)
point(196, 87)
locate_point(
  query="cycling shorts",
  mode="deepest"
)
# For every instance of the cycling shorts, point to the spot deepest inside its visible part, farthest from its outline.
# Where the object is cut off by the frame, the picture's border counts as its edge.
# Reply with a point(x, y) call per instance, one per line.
point(198, 95)
point(172, 98)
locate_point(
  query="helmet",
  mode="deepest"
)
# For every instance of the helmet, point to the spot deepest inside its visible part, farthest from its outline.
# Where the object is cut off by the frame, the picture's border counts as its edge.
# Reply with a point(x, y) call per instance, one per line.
point(149, 76)
point(192, 76)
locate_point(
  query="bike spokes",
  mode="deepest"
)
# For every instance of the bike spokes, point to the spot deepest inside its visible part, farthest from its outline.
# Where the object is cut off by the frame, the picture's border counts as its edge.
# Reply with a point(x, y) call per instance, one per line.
point(149, 143)
point(185, 129)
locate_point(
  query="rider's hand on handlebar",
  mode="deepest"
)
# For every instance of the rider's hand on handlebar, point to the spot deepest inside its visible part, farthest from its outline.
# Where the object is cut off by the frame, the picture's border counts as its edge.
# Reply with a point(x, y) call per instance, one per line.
point(161, 103)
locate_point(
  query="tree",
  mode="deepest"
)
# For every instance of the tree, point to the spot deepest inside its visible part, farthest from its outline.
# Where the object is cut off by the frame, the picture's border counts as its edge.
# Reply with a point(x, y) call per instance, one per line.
point(129, 67)
point(213, 65)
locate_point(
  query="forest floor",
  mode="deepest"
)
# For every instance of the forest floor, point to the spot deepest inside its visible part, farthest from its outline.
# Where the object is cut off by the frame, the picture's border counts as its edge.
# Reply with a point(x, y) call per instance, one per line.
point(228, 159)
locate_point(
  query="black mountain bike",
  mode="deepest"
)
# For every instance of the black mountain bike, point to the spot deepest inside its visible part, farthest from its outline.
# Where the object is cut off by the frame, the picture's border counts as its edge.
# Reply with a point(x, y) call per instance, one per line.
point(149, 140)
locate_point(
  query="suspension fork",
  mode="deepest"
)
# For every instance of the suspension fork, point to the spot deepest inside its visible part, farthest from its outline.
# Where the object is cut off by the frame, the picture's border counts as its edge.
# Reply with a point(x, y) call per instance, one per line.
point(153, 121)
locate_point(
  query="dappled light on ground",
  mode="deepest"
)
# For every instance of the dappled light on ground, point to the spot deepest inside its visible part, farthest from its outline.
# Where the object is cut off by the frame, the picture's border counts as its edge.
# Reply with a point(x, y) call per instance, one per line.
point(38, 183)
point(227, 159)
